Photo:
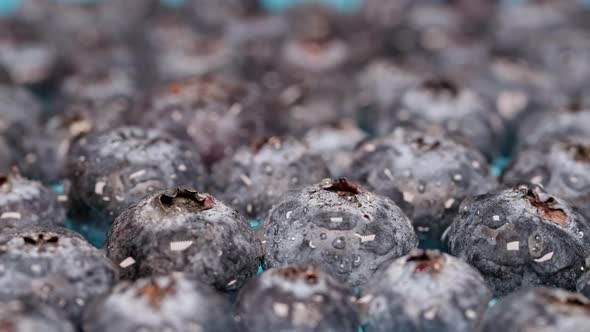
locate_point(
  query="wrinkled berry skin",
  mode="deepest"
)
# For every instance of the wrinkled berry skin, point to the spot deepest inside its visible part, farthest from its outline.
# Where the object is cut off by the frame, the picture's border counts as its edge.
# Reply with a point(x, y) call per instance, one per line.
point(562, 168)
point(256, 177)
point(171, 302)
point(425, 291)
point(55, 266)
point(25, 203)
point(338, 226)
point(26, 315)
point(539, 309)
point(335, 144)
point(426, 175)
point(182, 230)
point(296, 298)
point(111, 170)
point(216, 114)
point(439, 105)
point(521, 237)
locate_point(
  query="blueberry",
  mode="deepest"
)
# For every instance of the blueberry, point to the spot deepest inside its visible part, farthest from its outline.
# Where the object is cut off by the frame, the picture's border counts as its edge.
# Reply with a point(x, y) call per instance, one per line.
point(539, 309)
point(520, 237)
point(90, 102)
point(25, 55)
point(182, 230)
point(335, 144)
point(28, 315)
point(426, 175)
point(24, 203)
point(562, 168)
point(216, 113)
point(254, 178)
point(339, 227)
point(296, 298)
point(425, 291)
point(54, 266)
point(113, 169)
point(165, 303)
point(441, 105)
point(583, 284)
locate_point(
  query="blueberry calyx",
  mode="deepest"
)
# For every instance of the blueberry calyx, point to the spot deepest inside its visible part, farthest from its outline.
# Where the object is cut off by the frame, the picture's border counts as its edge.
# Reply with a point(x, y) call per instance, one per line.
point(156, 293)
point(440, 87)
point(275, 141)
point(41, 240)
point(425, 144)
point(306, 273)
point(427, 260)
point(545, 205)
point(579, 152)
point(341, 186)
point(569, 299)
point(186, 197)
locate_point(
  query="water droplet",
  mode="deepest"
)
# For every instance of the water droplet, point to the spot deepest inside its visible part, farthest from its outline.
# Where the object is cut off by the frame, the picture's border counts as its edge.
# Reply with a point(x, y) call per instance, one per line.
point(323, 236)
point(339, 243)
point(421, 187)
point(357, 261)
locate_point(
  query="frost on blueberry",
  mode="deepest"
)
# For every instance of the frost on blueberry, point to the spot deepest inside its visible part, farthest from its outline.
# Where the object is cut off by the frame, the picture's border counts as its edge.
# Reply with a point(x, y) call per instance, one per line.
point(54, 266)
point(296, 298)
point(521, 237)
point(215, 113)
point(254, 178)
point(29, 315)
point(338, 226)
point(112, 170)
point(183, 230)
point(425, 291)
point(562, 168)
point(25, 203)
point(426, 175)
point(172, 302)
point(539, 309)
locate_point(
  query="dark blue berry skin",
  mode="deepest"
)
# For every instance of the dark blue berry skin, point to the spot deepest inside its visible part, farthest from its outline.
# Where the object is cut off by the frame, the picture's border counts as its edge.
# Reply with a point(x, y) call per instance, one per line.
point(562, 168)
point(27, 315)
point(336, 145)
point(89, 102)
point(583, 285)
point(112, 170)
point(183, 230)
point(521, 237)
point(216, 114)
point(539, 309)
point(255, 178)
point(439, 105)
point(338, 226)
point(55, 266)
point(298, 298)
point(552, 126)
point(25, 203)
point(425, 291)
point(172, 302)
point(428, 176)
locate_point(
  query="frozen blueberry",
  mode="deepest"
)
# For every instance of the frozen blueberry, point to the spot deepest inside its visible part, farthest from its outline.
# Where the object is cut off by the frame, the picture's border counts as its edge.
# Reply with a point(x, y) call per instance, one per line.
point(425, 291)
point(426, 175)
point(218, 114)
point(54, 266)
point(182, 230)
point(296, 298)
point(24, 203)
point(562, 168)
point(25, 55)
point(338, 226)
point(553, 125)
point(254, 178)
point(539, 309)
point(335, 144)
point(520, 237)
point(441, 105)
point(27, 315)
point(165, 303)
point(113, 169)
